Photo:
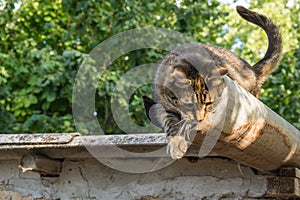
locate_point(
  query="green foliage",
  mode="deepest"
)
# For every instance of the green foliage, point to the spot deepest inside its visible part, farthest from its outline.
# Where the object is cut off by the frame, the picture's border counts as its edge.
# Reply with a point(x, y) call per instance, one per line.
point(38, 61)
point(43, 44)
point(281, 91)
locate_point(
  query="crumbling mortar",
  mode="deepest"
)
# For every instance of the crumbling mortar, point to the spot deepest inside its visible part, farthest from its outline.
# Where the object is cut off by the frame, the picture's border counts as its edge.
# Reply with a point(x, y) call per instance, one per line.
point(80, 168)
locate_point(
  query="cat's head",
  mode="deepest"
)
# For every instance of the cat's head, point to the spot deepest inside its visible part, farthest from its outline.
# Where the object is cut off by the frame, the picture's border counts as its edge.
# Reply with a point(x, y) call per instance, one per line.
point(184, 83)
point(184, 92)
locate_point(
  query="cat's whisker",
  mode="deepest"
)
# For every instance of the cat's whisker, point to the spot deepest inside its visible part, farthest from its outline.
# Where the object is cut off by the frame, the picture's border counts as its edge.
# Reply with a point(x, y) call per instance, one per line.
point(188, 129)
point(179, 122)
point(182, 128)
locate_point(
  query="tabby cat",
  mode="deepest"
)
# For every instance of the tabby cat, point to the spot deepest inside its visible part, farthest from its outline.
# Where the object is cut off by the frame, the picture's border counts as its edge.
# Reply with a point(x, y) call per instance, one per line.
point(184, 78)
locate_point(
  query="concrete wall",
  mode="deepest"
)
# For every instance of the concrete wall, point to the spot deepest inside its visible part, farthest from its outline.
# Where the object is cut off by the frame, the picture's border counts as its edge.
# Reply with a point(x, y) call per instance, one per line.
point(210, 178)
point(64, 167)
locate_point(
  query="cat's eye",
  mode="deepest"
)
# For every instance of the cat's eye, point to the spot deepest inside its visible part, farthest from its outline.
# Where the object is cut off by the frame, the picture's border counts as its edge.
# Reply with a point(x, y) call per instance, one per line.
point(176, 102)
point(209, 103)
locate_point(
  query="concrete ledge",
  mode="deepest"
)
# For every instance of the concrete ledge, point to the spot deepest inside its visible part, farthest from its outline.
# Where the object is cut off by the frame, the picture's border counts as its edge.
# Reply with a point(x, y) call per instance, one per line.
point(36, 139)
point(60, 146)
point(59, 166)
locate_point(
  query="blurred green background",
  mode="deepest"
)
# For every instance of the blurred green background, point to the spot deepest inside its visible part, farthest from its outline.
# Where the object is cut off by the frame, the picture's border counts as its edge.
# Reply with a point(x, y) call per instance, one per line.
point(44, 42)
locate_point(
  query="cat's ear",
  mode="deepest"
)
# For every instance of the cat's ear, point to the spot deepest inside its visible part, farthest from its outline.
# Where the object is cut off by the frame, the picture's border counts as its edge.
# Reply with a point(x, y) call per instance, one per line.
point(148, 103)
point(222, 70)
point(217, 73)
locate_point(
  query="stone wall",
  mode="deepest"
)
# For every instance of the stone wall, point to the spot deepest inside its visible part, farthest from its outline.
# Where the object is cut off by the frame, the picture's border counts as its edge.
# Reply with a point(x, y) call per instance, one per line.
point(210, 178)
point(64, 167)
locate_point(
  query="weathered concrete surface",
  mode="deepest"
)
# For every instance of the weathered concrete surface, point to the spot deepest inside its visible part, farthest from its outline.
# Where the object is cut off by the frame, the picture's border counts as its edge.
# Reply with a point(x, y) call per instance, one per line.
point(210, 178)
point(42, 139)
point(34, 167)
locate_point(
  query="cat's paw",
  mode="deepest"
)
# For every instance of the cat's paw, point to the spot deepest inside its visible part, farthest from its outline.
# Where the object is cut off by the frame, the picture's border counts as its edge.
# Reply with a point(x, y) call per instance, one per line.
point(177, 146)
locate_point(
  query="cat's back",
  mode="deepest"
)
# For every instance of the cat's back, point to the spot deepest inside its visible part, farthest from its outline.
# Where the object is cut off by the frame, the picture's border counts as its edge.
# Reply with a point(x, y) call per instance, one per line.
point(203, 58)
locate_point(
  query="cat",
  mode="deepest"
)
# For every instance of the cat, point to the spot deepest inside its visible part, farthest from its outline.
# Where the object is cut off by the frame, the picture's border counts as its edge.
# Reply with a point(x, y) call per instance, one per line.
point(182, 96)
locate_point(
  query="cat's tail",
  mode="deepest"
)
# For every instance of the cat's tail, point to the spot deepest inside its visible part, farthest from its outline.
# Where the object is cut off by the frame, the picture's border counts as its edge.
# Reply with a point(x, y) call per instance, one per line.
point(272, 57)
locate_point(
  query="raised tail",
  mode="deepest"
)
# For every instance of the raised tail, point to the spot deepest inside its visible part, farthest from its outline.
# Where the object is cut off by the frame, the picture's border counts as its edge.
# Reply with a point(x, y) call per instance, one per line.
point(272, 57)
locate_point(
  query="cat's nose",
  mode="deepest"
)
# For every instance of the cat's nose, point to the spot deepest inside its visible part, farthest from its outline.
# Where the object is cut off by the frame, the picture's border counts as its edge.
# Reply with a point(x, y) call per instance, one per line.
point(199, 114)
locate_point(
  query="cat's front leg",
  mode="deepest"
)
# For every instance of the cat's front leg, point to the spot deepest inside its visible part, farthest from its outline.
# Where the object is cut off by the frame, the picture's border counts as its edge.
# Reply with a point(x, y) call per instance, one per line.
point(177, 145)
point(170, 123)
